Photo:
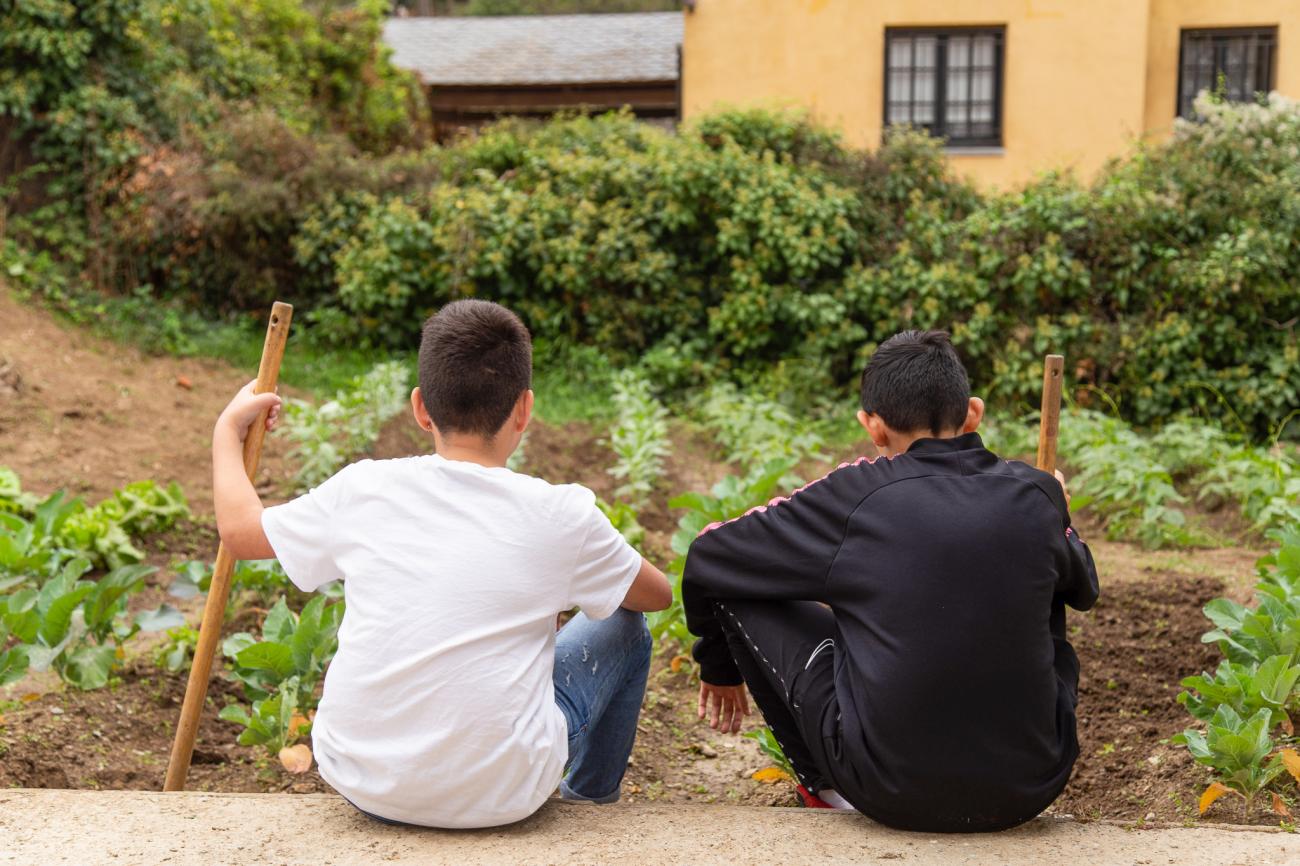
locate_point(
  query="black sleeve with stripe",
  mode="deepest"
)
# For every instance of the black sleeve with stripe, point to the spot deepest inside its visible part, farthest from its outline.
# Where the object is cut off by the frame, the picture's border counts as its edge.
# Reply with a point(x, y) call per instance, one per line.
point(782, 551)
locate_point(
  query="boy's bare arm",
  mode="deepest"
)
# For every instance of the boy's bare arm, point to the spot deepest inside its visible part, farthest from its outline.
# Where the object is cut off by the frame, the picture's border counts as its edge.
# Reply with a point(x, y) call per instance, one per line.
point(238, 507)
point(649, 590)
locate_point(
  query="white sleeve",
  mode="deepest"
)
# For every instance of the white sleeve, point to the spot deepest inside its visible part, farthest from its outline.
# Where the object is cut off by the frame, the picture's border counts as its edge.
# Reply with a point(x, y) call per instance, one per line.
point(302, 533)
point(604, 569)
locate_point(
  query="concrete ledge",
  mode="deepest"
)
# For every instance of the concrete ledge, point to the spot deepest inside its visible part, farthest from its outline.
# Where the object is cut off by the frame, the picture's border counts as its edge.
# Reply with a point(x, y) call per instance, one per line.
point(137, 827)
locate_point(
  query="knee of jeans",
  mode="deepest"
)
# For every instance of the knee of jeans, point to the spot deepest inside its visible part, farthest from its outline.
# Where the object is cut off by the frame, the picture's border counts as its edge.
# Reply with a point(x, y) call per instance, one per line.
point(635, 632)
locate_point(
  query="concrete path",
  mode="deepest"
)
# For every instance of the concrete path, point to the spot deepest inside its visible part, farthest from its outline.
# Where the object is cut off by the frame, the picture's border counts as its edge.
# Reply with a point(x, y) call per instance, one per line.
point(133, 827)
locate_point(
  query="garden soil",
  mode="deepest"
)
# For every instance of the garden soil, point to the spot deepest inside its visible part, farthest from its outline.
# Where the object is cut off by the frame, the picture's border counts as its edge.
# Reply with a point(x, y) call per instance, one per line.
point(89, 415)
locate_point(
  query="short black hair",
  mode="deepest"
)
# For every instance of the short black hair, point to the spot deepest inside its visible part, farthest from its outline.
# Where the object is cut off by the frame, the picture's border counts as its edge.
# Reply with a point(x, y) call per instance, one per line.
point(476, 358)
point(916, 383)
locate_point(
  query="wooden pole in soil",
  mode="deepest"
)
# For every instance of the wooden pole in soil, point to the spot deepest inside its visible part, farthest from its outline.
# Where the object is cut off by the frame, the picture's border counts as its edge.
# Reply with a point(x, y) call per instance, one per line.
point(1049, 425)
point(214, 609)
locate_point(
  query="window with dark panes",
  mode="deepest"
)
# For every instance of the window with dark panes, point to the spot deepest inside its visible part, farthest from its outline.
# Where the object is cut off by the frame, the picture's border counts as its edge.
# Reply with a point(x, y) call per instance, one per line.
point(946, 81)
point(1237, 63)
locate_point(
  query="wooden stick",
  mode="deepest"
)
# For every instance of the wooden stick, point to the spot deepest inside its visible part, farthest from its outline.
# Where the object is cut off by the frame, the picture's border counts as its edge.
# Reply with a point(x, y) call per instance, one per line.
point(214, 609)
point(1050, 424)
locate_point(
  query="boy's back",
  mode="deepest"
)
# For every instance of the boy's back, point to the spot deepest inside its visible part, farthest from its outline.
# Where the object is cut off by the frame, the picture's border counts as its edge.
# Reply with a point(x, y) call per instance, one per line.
point(451, 700)
point(438, 706)
point(946, 569)
point(938, 690)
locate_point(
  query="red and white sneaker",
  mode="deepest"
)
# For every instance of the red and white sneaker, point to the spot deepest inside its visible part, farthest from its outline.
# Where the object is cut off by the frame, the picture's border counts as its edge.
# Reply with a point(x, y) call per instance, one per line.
point(811, 800)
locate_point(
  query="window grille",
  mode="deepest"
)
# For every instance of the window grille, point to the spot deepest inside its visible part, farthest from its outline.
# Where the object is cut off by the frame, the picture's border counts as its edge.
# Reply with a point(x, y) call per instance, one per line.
point(1237, 63)
point(946, 81)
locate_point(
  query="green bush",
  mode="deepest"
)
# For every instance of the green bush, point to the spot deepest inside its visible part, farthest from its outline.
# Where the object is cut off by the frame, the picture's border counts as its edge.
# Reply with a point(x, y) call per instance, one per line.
point(750, 240)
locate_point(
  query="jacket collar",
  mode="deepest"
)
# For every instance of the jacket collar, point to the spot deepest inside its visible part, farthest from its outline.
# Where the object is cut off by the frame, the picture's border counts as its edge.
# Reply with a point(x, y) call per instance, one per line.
point(965, 442)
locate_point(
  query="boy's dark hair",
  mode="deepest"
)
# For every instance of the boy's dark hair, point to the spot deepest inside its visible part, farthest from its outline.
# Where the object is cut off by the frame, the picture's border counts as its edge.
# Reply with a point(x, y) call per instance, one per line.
point(476, 358)
point(916, 383)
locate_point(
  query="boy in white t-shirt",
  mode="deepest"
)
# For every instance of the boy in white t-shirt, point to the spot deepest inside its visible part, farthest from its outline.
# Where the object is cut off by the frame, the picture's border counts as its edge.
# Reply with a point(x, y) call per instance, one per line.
point(451, 701)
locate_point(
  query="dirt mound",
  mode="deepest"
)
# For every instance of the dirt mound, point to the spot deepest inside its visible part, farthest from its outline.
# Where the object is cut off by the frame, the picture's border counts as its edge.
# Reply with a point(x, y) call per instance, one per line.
point(88, 415)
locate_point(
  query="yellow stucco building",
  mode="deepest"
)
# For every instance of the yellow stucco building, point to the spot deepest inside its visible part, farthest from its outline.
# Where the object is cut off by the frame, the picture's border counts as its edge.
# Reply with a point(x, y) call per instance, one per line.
point(1015, 86)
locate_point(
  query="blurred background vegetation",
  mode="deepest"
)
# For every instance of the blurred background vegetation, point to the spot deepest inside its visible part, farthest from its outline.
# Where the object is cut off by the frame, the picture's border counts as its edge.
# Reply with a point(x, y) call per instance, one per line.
point(171, 163)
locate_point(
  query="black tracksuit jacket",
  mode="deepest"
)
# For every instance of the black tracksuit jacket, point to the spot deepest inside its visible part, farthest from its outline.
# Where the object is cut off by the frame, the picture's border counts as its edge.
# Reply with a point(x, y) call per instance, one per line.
point(948, 570)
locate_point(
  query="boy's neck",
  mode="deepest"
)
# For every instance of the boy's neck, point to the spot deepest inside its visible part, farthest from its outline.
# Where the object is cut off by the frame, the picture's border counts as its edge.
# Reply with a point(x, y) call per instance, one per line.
point(491, 453)
point(899, 443)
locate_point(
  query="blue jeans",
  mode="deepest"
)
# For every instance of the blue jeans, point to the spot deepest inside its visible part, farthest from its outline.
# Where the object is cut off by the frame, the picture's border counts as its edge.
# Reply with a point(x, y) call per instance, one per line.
point(600, 675)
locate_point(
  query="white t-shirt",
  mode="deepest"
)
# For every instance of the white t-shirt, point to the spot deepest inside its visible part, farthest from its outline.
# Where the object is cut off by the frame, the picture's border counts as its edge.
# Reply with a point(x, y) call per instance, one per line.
point(438, 707)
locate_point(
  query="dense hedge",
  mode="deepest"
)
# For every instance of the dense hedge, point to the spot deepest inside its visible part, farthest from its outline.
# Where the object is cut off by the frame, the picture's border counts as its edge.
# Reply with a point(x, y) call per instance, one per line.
point(755, 244)
point(749, 244)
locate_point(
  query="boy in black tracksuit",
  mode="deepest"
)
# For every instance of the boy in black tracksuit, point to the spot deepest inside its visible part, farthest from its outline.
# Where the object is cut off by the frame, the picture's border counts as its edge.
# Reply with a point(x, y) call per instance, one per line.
point(901, 622)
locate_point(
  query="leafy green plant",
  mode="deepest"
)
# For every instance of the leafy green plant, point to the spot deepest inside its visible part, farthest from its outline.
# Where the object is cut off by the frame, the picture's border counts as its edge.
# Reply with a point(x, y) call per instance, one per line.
point(1247, 688)
point(104, 532)
point(639, 437)
point(329, 435)
point(281, 671)
point(25, 555)
point(174, 653)
point(1237, 750)
point(769, 746)
point(753, 429)
point(1252, 692)
point(14, 660)
point(1120, 476)
point(1264, 480)
point(1251, 636)
point(36, 535)
point(623, 517)
point(264, 578)
point(78, 627)
point(729, 498)
point(272, 722)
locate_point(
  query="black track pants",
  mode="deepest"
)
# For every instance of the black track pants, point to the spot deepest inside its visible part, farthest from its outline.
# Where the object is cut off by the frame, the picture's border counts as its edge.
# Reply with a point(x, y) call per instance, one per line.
point(786, 653)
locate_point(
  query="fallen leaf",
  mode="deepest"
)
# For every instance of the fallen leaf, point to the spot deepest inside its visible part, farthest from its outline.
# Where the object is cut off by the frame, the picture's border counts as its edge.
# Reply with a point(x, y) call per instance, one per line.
point(296, 759)
point(771, 775)
point(676, 664)
point(1279, 805)
point(184, 382)
point(29, 697)
point(1291, 760)
point(1212, 793)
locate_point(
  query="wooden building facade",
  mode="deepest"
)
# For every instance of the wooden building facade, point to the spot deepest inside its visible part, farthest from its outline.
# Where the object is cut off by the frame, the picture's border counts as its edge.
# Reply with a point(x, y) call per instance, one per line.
point(476, 69)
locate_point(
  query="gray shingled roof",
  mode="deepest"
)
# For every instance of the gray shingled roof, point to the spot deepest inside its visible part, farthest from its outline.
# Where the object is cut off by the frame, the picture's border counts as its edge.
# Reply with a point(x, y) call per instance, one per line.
point(538, 49)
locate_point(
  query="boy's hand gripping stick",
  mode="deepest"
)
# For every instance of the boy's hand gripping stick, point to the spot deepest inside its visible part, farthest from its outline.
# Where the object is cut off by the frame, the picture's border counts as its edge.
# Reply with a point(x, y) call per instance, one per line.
point(214, 609)
point(1049, 425)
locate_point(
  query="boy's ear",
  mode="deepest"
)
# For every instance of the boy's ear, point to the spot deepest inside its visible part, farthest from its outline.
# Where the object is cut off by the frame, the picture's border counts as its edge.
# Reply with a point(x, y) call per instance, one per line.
point(875, 427)
point(524, 410)
point(421, 414)
point(974, 415)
